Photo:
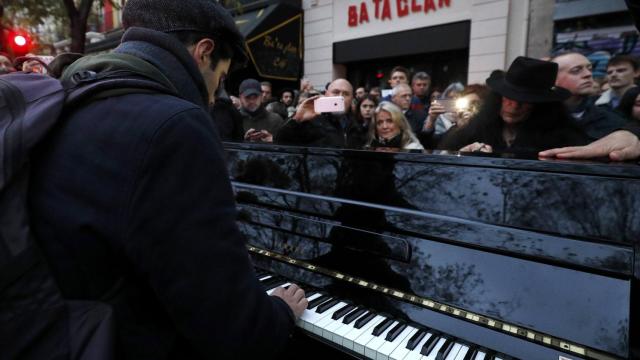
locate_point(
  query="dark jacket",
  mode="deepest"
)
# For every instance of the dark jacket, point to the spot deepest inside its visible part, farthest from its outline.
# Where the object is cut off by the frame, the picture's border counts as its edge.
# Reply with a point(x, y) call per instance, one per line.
point(596, 121)
point(135, 187)
point(325, 130)
point(261, 120)
point(416, 119)
point(548, 126)
point(227, 119)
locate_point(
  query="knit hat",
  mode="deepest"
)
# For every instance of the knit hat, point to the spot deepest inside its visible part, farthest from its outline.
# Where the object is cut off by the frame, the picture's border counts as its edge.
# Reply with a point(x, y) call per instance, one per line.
point(204, 16)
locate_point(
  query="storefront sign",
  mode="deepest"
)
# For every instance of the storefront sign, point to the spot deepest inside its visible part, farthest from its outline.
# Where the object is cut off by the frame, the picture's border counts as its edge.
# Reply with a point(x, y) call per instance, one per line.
point(381, 9)
point(276, 53)
point(353, 19)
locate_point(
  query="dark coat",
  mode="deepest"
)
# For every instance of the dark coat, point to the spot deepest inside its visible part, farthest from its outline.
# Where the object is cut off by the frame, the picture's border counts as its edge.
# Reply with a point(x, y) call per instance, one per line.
point(261, 120)
point(227, 119)
point(549, 126)
point(597, 121)
point(135, 187)
point(416, 119)
point(325, 130)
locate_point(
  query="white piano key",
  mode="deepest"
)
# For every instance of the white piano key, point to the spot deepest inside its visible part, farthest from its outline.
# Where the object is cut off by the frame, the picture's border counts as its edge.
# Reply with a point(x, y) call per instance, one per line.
point(480, 355)
point(434, 352)
point(307, 315)
point(401, 351)
point(265, 277)
point(351, 336)
point(453, 354)
point(330, 330)
point(388, 347)
point(376, 342)
point(462, 353)
point(269, 292)
point(327, 320)
point(325, 317)
point(415, 353)
point(339, 334)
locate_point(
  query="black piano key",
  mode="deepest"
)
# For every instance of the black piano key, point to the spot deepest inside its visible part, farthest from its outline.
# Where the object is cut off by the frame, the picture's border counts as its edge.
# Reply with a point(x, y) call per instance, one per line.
point(276, 279)
point(342, 311)
point(261, 273)
point(471, 354)
point(350, 317)
point(393, 333)
point(317, 301)
point(489, 355)
point(275, 284)
point(445, 349)
point(416, 338)
point(326, 306)
point(364, 320)
point(380, 328)
point(430, 344)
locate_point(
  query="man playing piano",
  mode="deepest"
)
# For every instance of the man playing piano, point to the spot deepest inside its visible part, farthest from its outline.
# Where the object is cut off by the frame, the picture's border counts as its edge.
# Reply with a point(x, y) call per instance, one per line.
point(132, 189)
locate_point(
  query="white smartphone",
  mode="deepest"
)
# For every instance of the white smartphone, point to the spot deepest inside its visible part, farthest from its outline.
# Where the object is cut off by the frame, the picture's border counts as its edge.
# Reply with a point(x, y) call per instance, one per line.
point(329, 104)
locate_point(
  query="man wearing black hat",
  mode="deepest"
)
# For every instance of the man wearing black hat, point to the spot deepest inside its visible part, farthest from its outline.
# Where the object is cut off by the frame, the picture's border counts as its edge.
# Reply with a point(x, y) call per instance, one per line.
point(132, 189)
point(524, 113)
point(258, 124)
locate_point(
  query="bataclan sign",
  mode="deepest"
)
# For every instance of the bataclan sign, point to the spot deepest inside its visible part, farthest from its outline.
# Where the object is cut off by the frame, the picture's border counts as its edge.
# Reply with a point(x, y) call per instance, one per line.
point(380, 10)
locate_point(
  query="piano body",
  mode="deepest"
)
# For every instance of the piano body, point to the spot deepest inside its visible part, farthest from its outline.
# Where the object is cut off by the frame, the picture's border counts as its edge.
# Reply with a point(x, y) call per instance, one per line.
point(442, 256)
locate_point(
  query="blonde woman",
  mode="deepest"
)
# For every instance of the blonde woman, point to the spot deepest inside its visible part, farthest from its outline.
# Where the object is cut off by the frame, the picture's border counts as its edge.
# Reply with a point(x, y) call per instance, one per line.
point(391, 130)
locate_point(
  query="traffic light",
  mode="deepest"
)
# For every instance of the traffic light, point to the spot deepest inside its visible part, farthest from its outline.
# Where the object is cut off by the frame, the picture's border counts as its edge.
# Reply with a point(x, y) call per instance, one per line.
point(19, 42)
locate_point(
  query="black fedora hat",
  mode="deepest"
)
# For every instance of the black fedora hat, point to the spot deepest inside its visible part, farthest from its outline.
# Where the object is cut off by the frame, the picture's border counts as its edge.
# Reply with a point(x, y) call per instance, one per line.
point(529, 80)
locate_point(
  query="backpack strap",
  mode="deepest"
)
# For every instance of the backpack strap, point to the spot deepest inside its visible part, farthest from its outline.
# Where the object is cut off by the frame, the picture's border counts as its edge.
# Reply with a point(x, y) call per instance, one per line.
point(88, 86)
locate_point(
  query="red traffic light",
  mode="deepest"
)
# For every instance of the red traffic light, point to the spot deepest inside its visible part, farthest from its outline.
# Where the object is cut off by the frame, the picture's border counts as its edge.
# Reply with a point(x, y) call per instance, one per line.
point(20, 42)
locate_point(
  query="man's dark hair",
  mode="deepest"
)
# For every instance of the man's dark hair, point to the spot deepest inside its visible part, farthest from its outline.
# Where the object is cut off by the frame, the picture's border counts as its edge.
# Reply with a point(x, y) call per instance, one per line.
point(222, 50)
point(420, 75)
point(401, 69)
point(266, 83)
point(287, 90)
point(621, 59)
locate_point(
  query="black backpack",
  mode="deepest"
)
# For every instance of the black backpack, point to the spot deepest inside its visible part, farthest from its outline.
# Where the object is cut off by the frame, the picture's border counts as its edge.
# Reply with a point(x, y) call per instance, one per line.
point(36, 322)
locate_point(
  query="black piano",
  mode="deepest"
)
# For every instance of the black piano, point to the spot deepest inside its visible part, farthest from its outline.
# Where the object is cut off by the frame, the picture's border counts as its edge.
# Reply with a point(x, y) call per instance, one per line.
point(446, 256)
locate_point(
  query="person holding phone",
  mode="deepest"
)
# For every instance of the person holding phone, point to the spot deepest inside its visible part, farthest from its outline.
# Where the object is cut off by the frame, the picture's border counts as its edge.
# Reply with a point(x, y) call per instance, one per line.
point(524, 112)
point(259, 125)
point(322, 123)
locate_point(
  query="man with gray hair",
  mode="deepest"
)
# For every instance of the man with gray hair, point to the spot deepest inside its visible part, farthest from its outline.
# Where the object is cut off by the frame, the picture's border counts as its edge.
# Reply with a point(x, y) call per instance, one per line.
point(131, 200)
point(420, 84)
point(401, 95)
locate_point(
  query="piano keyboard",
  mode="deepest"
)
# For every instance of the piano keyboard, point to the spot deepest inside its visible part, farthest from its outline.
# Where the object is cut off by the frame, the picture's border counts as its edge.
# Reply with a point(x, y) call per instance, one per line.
point(374, 335)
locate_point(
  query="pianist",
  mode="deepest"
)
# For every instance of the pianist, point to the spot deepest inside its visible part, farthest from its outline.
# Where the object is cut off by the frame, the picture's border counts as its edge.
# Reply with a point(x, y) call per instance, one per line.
point(132, 189)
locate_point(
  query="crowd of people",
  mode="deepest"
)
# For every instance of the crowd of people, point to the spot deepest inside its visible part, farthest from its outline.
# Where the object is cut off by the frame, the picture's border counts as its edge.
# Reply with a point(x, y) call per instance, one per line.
point(535, 106)
point(132, 189)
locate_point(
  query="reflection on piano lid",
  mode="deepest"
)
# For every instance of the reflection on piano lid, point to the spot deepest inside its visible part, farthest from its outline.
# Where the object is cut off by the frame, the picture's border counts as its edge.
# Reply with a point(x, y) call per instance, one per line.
point(365, 332)
point(311, 321)
point(533, 259)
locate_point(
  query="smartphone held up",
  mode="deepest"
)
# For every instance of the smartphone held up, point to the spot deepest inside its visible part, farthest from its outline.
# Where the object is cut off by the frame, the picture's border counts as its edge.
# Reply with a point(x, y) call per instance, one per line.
point(329, 104)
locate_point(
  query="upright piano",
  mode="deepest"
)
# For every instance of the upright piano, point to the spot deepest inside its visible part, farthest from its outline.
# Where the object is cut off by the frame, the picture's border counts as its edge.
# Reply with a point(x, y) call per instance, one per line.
point(446, 256)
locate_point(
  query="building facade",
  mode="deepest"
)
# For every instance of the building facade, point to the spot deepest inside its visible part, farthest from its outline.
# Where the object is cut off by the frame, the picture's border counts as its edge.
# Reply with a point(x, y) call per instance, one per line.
point(453, 40)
